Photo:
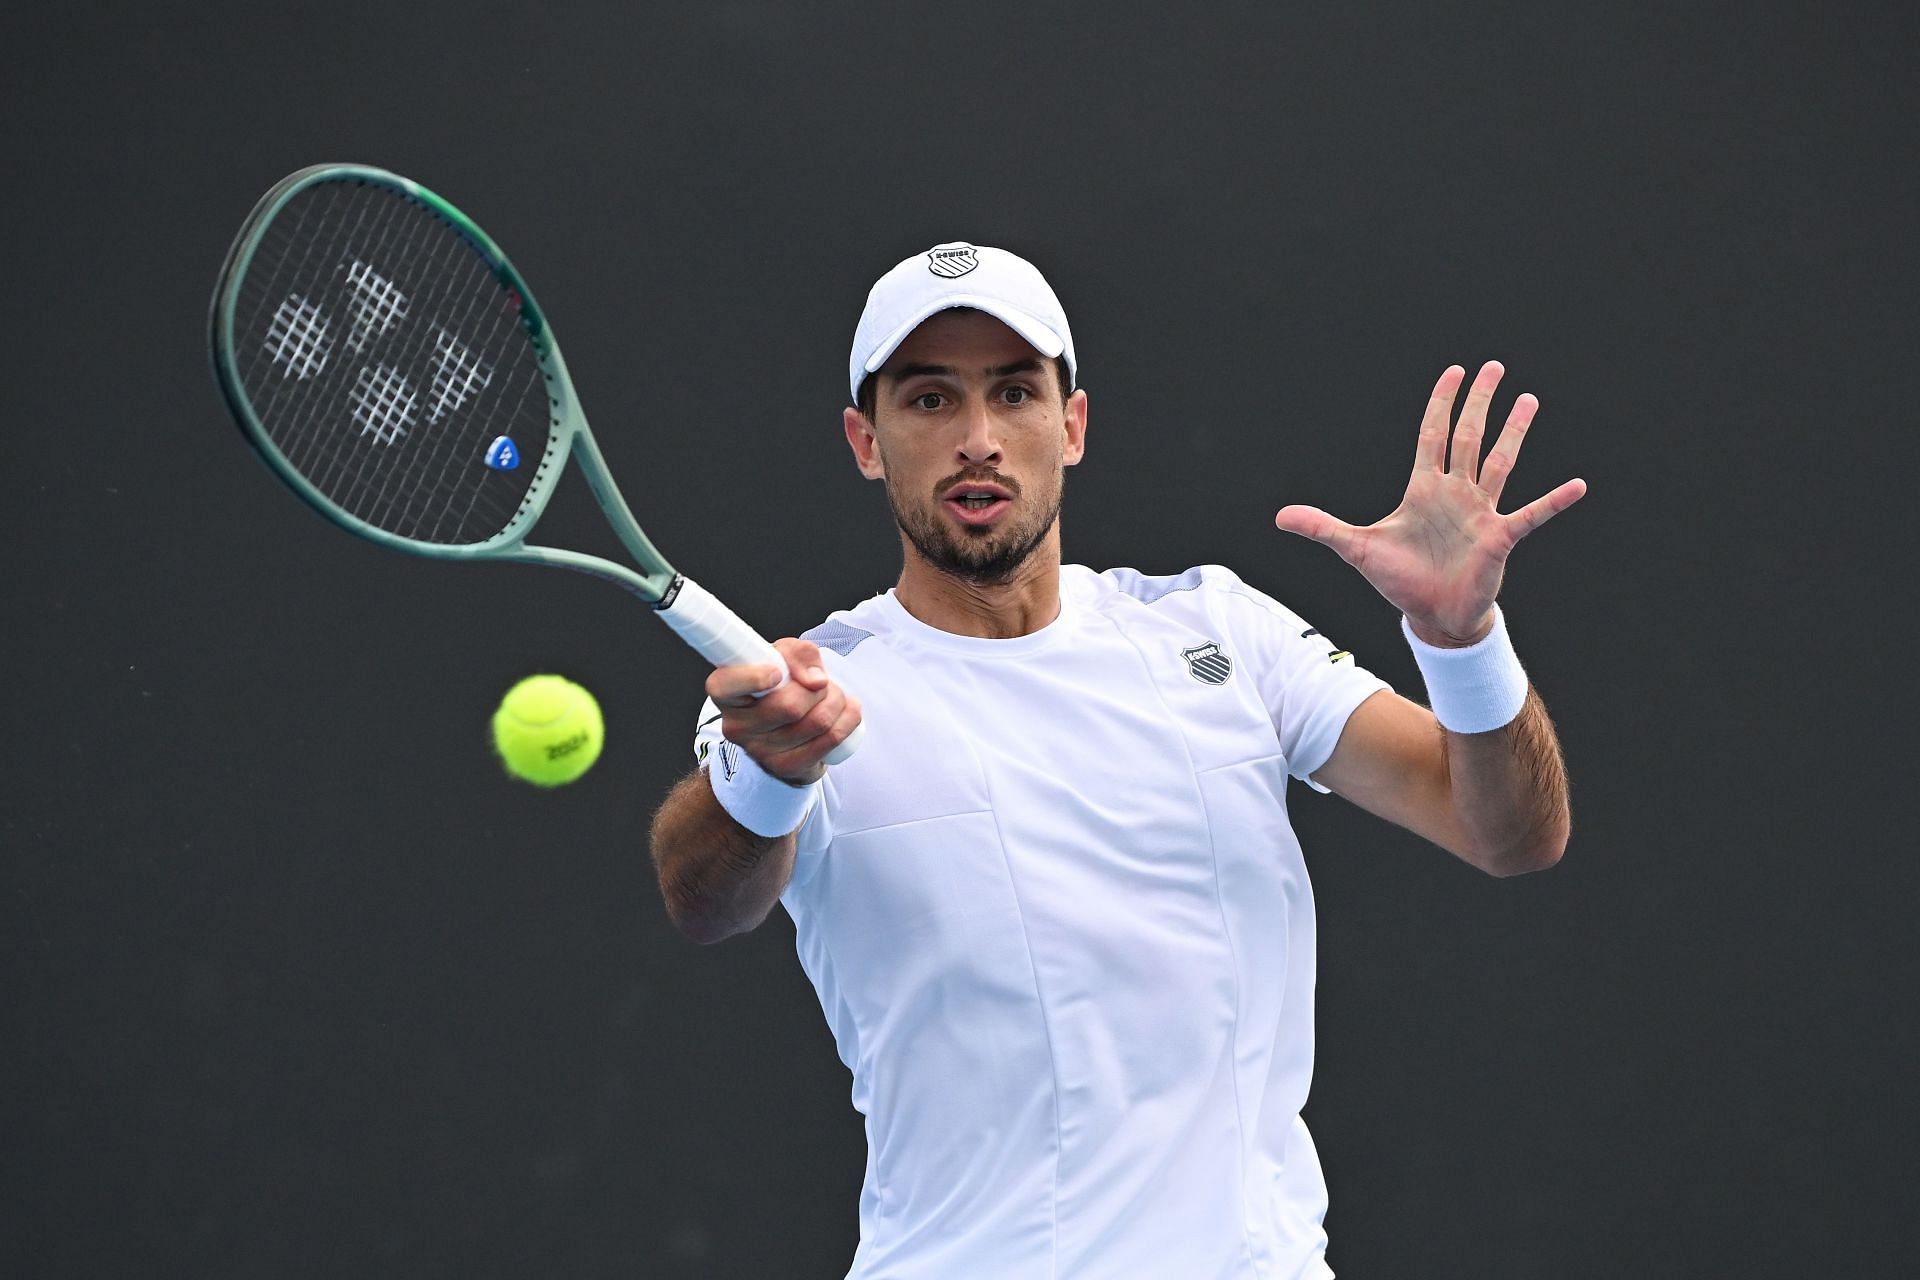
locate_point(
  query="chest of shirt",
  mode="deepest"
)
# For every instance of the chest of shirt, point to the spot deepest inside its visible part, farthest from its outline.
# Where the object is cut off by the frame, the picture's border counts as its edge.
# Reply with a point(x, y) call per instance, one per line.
point(1094, 741)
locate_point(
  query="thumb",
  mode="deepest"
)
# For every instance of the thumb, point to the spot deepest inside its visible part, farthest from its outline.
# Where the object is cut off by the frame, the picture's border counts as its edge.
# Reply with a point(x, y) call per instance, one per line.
point(803, 659)
point(1312, 522)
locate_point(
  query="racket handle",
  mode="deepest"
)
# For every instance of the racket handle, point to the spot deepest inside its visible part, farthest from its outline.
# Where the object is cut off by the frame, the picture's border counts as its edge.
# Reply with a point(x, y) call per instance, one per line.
point(849, 746)
point(718, 635)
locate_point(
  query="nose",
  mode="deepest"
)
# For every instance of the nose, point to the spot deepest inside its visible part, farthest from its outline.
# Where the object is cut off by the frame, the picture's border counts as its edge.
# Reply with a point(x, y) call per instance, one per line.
point(981, 444)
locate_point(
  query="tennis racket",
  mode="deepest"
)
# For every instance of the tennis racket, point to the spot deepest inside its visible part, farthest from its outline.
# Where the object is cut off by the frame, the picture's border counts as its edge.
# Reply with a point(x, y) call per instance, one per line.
point(390, 365)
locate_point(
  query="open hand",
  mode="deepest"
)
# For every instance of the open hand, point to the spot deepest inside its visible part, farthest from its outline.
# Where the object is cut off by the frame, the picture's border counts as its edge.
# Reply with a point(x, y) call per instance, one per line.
point(1440, 556)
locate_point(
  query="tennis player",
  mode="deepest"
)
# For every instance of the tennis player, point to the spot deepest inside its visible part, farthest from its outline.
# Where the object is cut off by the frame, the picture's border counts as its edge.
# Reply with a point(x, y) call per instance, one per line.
point(1054, 910)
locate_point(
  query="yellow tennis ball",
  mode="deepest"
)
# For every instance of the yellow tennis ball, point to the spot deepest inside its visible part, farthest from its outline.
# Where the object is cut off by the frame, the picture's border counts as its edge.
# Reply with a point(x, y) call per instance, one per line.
point(548, 730)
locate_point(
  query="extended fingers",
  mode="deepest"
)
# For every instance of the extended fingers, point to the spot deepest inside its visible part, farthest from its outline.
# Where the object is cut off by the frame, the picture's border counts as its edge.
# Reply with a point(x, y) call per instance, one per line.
point(1464, 458)
point(1312, 522)
point(1540, 510)
point(1499, 465)
point(1430, 453)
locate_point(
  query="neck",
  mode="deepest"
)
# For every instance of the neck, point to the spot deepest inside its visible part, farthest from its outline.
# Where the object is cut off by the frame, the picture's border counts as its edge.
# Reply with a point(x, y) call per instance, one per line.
point(1021, 605)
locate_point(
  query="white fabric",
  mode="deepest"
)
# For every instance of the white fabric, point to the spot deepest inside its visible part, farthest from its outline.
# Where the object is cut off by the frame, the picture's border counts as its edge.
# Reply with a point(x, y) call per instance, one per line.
point(1474, 689)
point(958, 274)
point(758, 801)
point(1062, 931)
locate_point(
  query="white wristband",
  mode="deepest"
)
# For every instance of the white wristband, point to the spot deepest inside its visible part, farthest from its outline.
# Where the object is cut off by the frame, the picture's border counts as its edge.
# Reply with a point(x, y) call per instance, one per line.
point(758, 801)
point(1475, 689)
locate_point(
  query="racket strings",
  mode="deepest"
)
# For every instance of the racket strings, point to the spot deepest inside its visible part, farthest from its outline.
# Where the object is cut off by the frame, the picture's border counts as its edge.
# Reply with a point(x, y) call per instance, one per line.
point(291, 242)
point(315, 233)
point(423, 491)
point(425, 503)
point(383, 358)
point(462, 375)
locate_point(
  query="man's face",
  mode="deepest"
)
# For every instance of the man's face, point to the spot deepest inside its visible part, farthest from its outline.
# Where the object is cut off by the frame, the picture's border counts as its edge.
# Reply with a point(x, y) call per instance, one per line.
point(970, 433)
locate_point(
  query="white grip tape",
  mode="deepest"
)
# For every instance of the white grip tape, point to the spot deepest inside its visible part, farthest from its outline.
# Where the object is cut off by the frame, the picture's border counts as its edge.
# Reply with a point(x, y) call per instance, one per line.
point(849, 746)
point(718, 635)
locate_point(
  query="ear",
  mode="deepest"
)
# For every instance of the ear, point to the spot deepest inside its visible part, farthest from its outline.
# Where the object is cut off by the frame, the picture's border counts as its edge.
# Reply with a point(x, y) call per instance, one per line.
point(1076, 447)
point(866, 449)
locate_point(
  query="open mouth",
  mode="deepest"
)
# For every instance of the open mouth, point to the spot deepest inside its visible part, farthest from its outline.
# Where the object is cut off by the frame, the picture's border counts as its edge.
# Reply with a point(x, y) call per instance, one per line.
point(977, 503)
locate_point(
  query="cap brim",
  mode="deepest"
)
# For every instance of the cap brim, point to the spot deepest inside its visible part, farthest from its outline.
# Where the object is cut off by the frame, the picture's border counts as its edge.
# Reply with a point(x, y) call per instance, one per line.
point(1036, 334)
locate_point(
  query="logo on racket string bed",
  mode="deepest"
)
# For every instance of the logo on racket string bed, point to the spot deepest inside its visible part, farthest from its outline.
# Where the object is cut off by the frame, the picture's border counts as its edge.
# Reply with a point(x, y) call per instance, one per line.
point(952, 260)
point(1207, 664)
point(384, 401)
point(503, 454)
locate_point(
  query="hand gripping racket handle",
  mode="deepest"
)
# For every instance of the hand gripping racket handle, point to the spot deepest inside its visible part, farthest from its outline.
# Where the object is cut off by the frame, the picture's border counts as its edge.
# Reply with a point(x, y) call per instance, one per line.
point(718, 635)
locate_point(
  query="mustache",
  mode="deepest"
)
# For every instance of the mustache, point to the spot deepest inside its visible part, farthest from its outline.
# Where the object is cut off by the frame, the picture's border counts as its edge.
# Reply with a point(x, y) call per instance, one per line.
point(977, 475)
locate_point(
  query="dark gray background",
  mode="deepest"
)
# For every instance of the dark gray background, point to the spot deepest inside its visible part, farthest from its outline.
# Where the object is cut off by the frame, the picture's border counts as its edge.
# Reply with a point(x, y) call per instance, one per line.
point(297, 984)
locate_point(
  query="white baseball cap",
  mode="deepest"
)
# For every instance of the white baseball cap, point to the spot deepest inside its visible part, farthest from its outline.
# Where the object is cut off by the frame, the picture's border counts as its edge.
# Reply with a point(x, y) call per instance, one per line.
point(957, 274)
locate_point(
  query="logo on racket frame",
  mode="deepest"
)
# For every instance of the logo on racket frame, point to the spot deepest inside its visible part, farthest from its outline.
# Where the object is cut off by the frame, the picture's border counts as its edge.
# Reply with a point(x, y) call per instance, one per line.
point(503, 454)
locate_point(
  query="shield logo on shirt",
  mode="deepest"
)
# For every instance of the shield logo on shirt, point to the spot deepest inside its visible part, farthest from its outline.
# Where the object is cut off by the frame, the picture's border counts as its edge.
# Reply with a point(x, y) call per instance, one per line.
point(952, 260)
point(1207, 664)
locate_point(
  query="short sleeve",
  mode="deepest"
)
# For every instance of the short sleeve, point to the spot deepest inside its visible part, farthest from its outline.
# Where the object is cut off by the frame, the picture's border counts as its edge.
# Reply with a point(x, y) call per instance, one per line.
point(710, 748)
point(1310, 684)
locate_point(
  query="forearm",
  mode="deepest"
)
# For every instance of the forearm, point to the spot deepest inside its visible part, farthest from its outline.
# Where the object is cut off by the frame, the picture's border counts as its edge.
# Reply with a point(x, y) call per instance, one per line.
point(716, 877)
point(1508, 789)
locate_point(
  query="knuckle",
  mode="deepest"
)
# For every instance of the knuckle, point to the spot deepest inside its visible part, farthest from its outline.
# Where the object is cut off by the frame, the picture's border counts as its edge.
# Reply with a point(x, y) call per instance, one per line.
point(786, 706)
point(797, 651)
point(730, 684)
point(742, 730)
point(818, 720)
point(767, 754)
point(843, 727)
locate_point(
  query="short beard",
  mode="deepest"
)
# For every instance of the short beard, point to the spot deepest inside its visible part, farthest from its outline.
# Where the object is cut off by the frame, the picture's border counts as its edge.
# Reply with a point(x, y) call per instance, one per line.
point(989, 558)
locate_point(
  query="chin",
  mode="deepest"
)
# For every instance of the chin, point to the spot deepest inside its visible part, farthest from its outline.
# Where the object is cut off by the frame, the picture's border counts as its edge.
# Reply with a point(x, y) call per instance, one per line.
point(984, 555)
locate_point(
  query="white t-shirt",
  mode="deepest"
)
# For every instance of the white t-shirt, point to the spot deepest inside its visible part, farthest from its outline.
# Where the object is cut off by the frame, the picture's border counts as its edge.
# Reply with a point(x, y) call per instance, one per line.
point(1062, 931)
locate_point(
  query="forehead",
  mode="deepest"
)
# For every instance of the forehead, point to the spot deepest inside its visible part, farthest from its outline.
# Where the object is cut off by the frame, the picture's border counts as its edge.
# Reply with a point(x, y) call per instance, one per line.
point(961, 339)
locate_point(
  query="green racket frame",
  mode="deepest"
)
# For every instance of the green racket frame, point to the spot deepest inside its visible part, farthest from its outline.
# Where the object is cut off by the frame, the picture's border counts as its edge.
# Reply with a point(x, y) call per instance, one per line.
point(567, 436)
point(702, 620)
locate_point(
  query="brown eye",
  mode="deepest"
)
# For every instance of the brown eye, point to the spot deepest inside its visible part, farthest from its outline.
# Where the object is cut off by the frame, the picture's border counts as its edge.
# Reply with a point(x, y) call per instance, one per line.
point(1018, 395)
point(928, 400)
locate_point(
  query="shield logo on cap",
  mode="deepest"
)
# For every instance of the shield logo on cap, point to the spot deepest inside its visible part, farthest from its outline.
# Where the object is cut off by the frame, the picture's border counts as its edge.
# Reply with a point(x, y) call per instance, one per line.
point(1207, 664)
point(952, 260)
